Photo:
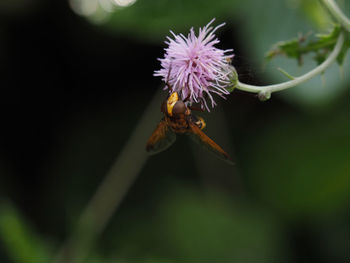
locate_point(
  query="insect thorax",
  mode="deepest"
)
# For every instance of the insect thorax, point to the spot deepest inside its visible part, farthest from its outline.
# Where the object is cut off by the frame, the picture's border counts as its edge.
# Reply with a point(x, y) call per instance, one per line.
point(178, 123)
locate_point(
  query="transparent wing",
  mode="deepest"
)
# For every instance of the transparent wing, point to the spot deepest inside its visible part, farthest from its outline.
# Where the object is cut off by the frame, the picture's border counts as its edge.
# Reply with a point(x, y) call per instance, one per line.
point(161, 139)
point(202, 139)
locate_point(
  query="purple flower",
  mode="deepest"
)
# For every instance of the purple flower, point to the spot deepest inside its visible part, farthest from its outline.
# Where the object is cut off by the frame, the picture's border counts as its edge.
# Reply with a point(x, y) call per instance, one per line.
point(194, 67)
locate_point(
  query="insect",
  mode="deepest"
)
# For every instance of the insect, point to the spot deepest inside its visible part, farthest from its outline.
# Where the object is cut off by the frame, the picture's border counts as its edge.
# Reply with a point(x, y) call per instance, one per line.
point(178, 119)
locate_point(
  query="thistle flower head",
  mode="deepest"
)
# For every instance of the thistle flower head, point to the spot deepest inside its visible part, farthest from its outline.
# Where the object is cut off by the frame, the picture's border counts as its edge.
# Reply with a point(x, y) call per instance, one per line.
point(194, 67)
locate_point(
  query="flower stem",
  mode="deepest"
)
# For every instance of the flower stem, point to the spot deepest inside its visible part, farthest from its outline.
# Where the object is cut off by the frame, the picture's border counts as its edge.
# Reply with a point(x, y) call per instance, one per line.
point(267, 90)
point(112, 190)
point(334, 9)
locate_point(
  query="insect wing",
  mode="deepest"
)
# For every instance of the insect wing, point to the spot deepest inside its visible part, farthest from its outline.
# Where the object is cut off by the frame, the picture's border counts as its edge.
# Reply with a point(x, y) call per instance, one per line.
point(161, 139)
point(202, 139)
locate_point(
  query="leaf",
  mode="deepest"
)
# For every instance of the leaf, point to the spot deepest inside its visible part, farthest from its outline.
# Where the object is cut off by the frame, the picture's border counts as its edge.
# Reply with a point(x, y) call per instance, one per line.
point(325, 39)
point(297, 47)
point(344, 50)
point(289, 48)
point(320, 57)
point(20, 242)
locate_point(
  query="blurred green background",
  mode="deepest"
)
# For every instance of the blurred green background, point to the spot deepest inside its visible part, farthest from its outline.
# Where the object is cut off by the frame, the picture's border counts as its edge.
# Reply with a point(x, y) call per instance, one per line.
point(76, 78)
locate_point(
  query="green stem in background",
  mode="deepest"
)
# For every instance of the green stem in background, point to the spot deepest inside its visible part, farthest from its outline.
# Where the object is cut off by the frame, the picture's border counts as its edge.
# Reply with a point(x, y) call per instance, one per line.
point(334, 9)
point(265, 91)
point(112, 190)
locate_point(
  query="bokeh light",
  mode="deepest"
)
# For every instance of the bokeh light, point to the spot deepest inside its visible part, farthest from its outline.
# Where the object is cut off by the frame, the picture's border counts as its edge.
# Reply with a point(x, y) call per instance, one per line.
point(84, 8)
point(98, 11)
point(124, 2)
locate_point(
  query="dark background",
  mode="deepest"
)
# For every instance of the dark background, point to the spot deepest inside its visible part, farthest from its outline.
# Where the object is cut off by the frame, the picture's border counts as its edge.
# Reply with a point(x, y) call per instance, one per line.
point(72, 92)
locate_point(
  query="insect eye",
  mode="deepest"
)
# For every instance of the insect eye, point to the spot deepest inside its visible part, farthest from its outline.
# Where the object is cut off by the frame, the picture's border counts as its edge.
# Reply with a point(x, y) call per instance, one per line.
point(179, 107)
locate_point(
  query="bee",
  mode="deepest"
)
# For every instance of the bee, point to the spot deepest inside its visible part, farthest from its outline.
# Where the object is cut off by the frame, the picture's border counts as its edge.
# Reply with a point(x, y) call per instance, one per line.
point(178, 119)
